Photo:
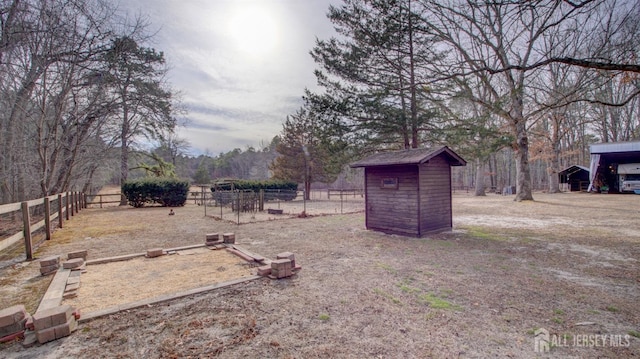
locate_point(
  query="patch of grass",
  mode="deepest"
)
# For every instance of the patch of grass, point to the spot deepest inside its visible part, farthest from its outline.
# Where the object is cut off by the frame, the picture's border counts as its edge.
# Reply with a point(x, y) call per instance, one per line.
point(612, 309)
point(437, 302)
point(634, 333)
point(593, 311)
point(445, 293)
point(482, 233)
point(408, 289)
point(557, 320)
point(324, 317)
point(558, 311)
point(387, 267)
point(382, 293)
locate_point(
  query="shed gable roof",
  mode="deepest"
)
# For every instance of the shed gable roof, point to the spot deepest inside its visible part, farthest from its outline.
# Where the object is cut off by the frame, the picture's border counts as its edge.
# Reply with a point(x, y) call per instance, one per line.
point(410, 157)
point(573, 169)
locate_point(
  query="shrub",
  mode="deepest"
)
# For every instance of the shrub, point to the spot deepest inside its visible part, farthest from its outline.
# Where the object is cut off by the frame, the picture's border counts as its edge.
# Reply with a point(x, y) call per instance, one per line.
point(169, 192)
point(273, 189)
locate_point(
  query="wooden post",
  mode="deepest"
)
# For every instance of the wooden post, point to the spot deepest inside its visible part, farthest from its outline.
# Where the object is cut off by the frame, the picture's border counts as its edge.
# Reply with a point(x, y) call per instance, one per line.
point(261, 200)
point(47, 218)
point(59, 210)
point(72, 199)
point(66, 203)
point(26, 220)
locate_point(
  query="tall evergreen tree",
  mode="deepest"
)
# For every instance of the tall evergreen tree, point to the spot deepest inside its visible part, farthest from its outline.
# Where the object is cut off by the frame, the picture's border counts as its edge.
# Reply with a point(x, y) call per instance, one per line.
point(373, 70)
point(136, 76)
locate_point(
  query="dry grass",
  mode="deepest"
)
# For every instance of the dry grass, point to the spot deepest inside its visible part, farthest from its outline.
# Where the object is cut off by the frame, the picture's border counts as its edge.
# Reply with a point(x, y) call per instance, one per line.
point(111, 284)
point(507, 269)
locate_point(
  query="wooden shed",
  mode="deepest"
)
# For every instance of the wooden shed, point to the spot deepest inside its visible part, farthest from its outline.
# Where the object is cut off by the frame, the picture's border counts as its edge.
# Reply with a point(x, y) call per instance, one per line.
point(409, 192)
point(574, 178)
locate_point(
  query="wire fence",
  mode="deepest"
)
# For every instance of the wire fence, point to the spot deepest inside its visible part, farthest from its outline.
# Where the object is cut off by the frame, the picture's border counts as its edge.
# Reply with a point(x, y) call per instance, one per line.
point(266, 205)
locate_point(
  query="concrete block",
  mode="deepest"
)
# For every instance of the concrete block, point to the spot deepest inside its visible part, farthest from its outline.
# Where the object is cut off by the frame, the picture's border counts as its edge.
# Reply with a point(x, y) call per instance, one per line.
point(52, 317)
point(281, 268)
point(72, 286)
point(48, 261)
point(73, 263)
point(13, 328)
point(78, 254)
point(64, 330)
point(73, 280)
point(49, 269)
point(154, 252)
point(41, 320)
point(70, 294)
point(264, 270)
point(212, 237)
point(81, 269)
point(229, 238)
point(46, 335)
point(287, 255)
point(12, 315)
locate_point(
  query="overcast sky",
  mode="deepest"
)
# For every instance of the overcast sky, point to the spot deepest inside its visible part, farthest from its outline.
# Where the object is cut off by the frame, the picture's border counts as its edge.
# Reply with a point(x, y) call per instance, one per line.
point(241, 65)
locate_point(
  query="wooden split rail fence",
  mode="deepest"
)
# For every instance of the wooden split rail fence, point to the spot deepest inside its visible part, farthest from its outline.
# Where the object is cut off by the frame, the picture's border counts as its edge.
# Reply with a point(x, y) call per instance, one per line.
point(68, 204)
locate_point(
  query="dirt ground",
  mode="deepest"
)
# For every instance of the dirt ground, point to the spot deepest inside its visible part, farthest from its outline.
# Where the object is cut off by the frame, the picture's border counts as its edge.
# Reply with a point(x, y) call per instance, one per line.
point(567, 263)
point(108, 285)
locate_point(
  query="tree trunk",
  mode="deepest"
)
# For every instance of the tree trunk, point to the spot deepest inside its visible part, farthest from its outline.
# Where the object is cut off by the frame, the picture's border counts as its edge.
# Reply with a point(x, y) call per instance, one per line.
point(479, 178)
point(554, 166)
point(523, 171)
point(124, 153)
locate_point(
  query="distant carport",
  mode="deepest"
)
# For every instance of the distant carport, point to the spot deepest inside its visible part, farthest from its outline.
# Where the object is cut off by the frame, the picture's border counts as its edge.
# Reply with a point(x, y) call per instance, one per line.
point(605, 158)
point(574, 178)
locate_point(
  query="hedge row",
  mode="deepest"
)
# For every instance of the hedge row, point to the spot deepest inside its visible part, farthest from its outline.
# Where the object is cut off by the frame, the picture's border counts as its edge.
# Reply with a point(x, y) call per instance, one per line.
point(168, 192)
point(273, 189)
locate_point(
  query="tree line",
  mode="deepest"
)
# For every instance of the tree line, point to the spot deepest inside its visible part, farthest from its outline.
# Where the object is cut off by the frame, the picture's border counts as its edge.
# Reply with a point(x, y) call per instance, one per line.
point(79, 88)
point(513, 86)
point(519, 88)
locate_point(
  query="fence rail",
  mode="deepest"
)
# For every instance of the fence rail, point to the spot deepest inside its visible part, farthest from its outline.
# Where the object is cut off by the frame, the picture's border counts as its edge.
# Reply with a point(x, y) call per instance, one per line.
point(90, 199)
point(44, 211)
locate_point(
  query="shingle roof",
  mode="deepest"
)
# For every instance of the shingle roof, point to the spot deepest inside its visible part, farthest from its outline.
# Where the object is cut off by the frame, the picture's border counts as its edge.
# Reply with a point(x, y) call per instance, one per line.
point(409, 157)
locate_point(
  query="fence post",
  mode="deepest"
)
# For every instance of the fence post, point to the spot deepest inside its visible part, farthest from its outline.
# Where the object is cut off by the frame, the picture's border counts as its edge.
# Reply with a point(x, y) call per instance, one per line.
point(72, 203)
point(76, 201)
point(26, 220)
point(47, 218)
point(66, 204)
point(60, 210)
point(261, 200)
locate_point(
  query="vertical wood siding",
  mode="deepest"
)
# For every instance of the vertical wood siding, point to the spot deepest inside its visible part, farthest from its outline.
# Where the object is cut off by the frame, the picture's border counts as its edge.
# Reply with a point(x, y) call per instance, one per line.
point(435, 196)
point(393, 210)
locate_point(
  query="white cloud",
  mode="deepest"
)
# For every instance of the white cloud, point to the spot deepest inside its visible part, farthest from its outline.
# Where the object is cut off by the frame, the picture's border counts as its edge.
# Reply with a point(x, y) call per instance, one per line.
point(237, 96)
